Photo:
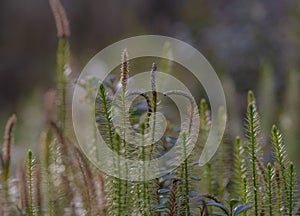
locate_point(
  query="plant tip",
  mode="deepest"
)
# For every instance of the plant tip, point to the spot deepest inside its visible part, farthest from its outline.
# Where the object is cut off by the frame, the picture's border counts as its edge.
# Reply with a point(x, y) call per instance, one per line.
point(251, 98)
point(154, 67)
point(61, 20)
point(124, 68)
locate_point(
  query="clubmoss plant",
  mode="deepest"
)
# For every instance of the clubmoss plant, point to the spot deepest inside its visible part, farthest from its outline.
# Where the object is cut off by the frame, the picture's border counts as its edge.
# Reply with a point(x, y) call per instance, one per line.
point(253, 131)
point(63, 68)
point(63, 182)
point(280, 157)
point(175, 191)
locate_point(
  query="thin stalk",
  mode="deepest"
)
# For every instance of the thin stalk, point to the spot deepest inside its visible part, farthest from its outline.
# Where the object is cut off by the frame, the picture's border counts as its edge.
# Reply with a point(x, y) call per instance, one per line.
point(278, 189)
point(38, 191)
point(62, 80)
point(239, 165)
point(270, 188)
point(124, 182)
point(153, 125)
point(144, 184)
point(124, 81)
point(245, 192)
point(186, 176)
point(291, 188)
point(204, 131)
point(119, 181)
point(154, 109)
point(30, 183)
point(47, 139)
point(221, 173)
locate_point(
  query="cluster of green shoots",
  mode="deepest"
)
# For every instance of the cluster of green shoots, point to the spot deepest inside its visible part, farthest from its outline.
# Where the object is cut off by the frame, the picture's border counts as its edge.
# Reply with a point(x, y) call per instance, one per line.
point(61, 181)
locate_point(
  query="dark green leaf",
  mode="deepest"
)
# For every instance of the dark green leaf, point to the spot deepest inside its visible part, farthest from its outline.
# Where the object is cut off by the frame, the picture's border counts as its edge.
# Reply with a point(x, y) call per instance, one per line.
point(163, 191)
point(194, 164)
point(196, 178)
point(164, 201)
point(219, 205)
point(241, 208)
point(233, 202)
point(160, 208)
point(167, 177)
point(194, 194)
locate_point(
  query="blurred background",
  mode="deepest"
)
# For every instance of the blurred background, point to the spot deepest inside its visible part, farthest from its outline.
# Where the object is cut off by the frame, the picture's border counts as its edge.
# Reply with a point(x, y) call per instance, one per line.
point(251, 45)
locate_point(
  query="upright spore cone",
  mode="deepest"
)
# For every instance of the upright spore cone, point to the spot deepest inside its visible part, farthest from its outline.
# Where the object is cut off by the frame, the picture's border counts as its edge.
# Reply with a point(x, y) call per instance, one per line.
point(153, 80)
point(124, 68)
point(8, 137)
point(61, 20)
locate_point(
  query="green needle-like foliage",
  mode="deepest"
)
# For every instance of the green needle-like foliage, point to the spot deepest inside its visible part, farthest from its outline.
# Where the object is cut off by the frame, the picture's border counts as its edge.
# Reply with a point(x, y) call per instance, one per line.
point(281, 159)
point(223, 152)
point(30, 165)
point(240, 171)
point(270, 176)
point(253, 129)
point(291, 189)
point(278, 188)
point(62, 71)
point(204, 130)
point(186, 175)
point(104, 110)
